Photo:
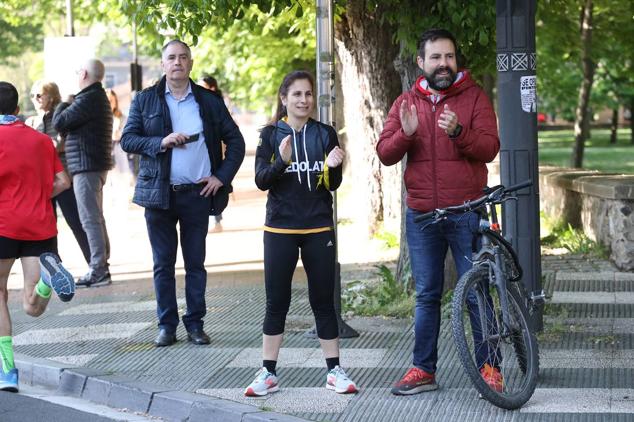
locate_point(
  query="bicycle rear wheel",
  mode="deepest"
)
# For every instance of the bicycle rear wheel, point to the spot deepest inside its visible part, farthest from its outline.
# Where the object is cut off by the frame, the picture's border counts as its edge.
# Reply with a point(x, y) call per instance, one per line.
point(482, 339)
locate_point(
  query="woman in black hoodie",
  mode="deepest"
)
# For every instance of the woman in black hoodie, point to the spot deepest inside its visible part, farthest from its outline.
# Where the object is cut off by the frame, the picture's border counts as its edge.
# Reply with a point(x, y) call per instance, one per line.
point(298, 160)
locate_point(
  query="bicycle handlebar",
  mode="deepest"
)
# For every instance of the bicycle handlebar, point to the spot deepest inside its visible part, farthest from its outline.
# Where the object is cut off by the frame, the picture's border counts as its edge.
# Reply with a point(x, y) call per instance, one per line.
point(497, 195)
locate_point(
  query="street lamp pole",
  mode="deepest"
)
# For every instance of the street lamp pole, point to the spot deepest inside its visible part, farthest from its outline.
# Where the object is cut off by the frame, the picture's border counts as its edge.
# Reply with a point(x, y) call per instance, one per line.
point(70, 30)
point(325, 104)
point(517, 111)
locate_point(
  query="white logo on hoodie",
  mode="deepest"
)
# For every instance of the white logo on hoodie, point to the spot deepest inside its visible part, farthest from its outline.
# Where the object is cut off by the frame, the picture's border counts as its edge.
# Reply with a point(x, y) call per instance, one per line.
point(318, 166)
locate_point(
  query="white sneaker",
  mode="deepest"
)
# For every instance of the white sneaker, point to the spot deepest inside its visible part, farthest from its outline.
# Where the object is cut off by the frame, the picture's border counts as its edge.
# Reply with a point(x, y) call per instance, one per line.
point(263, 384)
point(338, 380)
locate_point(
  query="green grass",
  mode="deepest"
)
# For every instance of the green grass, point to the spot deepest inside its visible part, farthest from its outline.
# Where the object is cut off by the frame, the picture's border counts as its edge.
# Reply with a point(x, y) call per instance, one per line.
point(555, 148)
point(389, 239)
point(387, 297)
point(562, 235)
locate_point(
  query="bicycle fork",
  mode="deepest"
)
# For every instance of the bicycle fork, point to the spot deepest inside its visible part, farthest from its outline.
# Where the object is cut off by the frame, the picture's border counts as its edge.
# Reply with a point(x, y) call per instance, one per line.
point(499, 280)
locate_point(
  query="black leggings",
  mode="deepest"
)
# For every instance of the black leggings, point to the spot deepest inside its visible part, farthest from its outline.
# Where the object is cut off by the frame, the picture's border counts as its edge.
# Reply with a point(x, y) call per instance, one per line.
point(281, 252)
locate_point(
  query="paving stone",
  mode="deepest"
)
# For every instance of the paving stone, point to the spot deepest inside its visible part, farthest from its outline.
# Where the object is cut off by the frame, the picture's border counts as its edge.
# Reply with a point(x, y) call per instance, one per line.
point(623, 276)
point(578, 275)
point(270, 417)
point(133, 395)
point(289, 400)
point(174, 405)
point(580, 400)
point(583, 297)
point(251, 357)
point(73, 381)
point(46, 373)
point(97, 389)
point(220, 410)
point(85, 333)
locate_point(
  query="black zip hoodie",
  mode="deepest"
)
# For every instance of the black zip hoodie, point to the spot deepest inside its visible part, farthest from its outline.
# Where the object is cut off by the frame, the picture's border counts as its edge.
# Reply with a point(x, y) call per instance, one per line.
point(299, 197)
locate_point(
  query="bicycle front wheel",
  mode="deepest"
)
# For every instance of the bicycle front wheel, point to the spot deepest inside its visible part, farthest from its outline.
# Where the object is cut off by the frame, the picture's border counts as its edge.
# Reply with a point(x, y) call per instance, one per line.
point(486, 343)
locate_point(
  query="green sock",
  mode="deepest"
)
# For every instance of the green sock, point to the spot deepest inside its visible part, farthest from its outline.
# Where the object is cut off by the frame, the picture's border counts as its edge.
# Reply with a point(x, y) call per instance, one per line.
point(42, 289)
point(6, 353)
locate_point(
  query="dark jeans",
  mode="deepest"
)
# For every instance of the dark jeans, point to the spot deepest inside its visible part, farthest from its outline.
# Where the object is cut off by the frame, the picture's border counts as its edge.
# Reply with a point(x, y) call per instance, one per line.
point(68, 204)
point(428, 245)
point(191, 212)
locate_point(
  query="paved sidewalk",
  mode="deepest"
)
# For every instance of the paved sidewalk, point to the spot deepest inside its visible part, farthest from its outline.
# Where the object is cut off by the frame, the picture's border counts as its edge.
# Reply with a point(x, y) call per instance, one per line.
point(587, 355)
point(99, 346)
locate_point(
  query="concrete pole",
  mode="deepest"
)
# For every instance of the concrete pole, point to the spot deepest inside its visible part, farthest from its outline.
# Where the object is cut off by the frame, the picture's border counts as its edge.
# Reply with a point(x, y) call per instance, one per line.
point(517, 113)
point(136, 70)
point(70, 30)
point(325, 104)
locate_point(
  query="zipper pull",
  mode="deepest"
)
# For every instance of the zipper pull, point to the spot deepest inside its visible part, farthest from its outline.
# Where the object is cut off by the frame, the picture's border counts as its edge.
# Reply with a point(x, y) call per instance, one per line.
point(433, 108)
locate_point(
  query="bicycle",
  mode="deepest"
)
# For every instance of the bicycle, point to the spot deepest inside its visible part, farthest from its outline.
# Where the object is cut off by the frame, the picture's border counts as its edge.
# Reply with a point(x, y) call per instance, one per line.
point(492, 298)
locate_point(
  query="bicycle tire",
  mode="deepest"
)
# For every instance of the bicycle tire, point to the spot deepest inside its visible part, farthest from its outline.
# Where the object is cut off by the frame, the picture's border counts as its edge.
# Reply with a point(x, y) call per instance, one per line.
point(516, 356)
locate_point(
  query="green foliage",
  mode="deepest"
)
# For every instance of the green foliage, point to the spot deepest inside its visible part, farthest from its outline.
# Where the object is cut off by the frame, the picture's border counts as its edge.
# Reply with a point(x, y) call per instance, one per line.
point(563, 235)
point(388, 297)
point(473, 25)
point(446, 304)
point(559, 54)
point(251, 56)
point(554, 149)
point(390, 240)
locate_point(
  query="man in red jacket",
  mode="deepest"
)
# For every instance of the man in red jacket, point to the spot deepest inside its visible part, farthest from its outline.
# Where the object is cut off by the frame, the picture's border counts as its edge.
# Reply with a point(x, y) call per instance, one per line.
point(446, 126)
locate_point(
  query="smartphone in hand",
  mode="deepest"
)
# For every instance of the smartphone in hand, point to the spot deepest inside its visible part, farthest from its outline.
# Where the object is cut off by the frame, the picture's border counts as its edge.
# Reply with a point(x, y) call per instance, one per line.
point(192, 138)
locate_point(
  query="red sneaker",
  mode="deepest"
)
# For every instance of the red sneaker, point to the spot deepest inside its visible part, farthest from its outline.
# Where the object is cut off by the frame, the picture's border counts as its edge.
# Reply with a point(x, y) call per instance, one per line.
point(493, 377)
point(415, 381)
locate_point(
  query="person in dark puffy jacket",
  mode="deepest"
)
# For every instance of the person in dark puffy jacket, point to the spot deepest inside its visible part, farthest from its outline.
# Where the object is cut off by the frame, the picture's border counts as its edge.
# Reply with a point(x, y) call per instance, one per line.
point(447, 128)
point(45, 97)
point(298, 160)
point(178, 127)
point(86, 121)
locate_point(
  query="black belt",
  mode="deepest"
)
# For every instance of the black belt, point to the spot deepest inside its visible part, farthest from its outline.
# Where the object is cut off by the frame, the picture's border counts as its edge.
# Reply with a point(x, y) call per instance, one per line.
point(186, 186)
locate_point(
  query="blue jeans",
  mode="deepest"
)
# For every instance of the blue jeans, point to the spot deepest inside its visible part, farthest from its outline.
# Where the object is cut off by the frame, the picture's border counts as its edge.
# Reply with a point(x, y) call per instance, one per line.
point(191, 212)
point(428, 245)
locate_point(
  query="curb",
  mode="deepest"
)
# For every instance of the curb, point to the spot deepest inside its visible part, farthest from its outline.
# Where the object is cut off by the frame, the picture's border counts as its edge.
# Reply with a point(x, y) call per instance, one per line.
point(126, 393)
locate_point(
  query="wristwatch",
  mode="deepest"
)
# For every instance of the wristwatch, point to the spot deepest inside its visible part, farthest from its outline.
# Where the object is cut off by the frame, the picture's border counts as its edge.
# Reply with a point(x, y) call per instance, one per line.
point(457, 131)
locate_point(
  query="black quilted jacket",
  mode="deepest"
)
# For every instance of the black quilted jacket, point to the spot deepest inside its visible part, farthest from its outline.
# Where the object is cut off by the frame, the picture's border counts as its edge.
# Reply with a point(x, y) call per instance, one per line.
point(87, 121)
point(149, 122)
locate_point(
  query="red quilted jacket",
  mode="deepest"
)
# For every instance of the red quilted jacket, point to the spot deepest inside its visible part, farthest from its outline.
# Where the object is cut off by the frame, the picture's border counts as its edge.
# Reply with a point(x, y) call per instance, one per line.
point(442, 171)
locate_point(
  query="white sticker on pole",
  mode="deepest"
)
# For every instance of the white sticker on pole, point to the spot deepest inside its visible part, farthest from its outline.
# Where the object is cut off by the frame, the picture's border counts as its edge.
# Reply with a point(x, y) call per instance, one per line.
point(528, 92)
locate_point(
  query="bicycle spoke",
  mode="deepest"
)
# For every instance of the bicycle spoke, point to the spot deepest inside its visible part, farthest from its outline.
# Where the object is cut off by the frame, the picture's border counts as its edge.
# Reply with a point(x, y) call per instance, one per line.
point(487, 345)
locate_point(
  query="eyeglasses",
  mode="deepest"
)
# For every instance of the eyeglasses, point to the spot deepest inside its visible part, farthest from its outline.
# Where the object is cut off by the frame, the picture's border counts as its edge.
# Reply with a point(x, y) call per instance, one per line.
point(38, 96)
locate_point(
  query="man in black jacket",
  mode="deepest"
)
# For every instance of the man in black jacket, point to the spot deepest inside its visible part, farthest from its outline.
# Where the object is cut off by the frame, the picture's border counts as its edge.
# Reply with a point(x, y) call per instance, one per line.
point(87, 122)
point(177, 127)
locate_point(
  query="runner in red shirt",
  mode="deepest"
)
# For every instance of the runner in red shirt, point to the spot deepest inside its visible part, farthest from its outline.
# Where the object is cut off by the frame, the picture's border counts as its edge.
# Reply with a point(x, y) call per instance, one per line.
point(30, 175)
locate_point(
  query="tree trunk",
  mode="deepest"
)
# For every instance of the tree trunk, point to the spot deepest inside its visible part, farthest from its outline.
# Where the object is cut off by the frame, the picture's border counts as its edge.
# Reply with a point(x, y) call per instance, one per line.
point(409, 72)
point(614, 126)
point(366, 51)
point(581, 114)
point(488, 85)
point(632, 120)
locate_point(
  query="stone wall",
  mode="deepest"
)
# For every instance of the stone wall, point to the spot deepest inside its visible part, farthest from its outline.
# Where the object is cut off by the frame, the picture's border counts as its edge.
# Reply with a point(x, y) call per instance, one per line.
point(601, 204)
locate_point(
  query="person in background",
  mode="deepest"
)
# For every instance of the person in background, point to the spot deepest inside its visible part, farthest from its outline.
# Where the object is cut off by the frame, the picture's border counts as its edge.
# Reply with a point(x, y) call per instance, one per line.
point(298, 160)
point(87, 121)
point(45, 97)
point(122, 161)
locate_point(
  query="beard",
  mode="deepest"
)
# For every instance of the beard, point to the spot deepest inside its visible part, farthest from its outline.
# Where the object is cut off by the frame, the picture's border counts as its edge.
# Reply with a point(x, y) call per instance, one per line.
point(440, 82)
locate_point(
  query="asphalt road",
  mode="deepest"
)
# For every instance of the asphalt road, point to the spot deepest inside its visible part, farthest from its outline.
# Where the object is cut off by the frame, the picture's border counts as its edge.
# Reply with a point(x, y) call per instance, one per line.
point(34, 404)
